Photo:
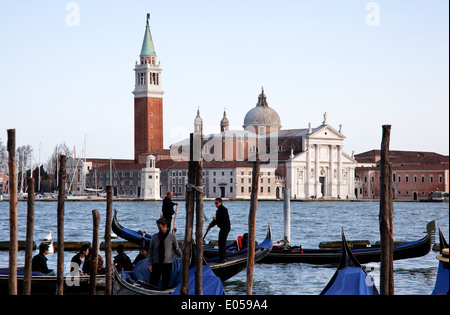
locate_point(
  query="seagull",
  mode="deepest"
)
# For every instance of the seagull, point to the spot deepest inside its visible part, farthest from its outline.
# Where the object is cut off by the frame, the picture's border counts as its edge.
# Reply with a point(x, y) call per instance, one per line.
point(48, 237)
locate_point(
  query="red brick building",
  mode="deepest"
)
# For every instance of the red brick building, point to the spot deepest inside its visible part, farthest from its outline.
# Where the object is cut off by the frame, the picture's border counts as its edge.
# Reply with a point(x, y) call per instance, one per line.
point(415, 174)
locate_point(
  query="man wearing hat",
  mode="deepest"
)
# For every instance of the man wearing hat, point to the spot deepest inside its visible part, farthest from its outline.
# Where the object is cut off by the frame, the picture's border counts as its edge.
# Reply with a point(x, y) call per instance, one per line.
point(442, 278)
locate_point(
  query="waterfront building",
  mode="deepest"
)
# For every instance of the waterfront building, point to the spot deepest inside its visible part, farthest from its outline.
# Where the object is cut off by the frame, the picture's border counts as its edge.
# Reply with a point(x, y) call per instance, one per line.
point(415, 176)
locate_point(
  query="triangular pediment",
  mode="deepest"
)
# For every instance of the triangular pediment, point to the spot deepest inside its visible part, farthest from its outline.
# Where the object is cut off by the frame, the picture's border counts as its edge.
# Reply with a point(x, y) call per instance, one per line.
point(326, 132)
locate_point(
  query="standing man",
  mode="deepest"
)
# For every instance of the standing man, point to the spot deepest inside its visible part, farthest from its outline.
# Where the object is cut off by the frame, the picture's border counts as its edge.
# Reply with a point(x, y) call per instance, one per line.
point(222, 220)
point(161, 254)
point(167, 209)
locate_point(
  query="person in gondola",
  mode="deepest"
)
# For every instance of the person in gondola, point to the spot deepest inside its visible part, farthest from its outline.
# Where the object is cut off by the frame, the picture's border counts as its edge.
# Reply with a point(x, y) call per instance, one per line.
point(81, 261)
point(39, 262)
point(161, 254)
point(121, 260)
point(222, 220)
point(167, 209)
point(143, 251)
point(244, 241)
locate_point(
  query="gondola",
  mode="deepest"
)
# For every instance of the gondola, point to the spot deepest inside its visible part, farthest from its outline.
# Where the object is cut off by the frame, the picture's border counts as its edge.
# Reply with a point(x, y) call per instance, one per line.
point(46, 285)
point(132, 236)
point(441, 286)
point(135, 282)
point(350, 278)
point(235, 262)
point(297, 254)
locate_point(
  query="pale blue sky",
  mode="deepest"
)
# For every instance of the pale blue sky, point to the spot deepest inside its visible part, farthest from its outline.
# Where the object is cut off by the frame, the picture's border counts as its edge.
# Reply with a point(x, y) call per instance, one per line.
point(60, 83)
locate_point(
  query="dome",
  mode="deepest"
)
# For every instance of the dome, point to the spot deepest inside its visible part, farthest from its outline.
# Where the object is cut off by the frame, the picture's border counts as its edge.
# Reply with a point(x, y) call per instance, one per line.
point(262, 114)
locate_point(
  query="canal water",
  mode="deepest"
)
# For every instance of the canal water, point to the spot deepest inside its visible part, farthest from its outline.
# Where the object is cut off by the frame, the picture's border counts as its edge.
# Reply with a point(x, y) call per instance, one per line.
point(311, 223)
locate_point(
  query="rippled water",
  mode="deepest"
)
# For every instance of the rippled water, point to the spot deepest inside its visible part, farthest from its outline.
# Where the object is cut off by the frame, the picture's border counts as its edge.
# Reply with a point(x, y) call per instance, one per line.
point(311, 223)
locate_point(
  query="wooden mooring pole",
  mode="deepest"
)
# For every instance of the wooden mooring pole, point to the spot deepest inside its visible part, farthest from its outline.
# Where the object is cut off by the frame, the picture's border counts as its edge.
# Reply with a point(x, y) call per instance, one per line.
point(108, 254)
point(13, 246)
point(252, 227)
point(189, 223)
point(29, 239)
point(60, 226)
point(198, 160)
point(386, 217)
point(93, 257)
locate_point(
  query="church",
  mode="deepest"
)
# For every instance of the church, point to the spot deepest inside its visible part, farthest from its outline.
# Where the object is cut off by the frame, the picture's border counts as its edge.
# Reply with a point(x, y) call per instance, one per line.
point(309, 162)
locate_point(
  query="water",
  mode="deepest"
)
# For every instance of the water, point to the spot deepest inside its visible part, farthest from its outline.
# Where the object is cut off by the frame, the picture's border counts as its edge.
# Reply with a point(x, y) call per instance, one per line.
point(311, 223)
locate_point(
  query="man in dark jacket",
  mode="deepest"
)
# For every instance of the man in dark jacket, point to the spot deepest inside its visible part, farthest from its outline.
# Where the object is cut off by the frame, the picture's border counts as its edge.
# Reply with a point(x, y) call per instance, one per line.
point(81, 259)
point(222, 220)
point(39, 262)
point(167, 209)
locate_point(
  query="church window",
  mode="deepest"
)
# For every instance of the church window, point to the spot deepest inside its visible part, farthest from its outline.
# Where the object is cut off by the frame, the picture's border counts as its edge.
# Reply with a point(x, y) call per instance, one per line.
point(151, 126)
point(253, 149)
point(280, 148)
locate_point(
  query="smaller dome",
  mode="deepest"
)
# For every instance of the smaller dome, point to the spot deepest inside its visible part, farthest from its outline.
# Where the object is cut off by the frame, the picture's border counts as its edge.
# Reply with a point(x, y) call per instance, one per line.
point(262, 114)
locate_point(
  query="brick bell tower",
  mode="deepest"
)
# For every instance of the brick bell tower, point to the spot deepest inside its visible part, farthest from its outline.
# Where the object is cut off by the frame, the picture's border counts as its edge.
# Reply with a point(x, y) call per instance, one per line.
point(148, 100)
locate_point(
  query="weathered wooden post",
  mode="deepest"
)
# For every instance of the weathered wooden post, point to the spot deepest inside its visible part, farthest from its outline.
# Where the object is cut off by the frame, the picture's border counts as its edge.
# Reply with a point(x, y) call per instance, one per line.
point(60, 225)
point(94, 252)
point(189, 222)
point(29, 239)
point(252, 227)
point(13, 245)
point(108, 254)
point(386, 217)
point(198, 159)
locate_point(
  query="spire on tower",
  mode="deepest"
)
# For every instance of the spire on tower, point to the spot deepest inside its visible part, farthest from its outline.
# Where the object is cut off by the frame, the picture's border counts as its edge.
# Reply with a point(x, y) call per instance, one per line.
point(224, 123)
point(198, 122)
point(148, 49)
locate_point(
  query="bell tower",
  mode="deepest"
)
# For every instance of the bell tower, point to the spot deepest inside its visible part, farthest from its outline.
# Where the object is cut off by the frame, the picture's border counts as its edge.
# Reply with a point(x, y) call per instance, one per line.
point(148, 100)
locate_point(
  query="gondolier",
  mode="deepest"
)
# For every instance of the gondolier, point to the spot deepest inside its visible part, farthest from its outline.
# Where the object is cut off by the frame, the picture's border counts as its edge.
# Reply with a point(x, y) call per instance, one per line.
point(161, 254)
point(222, 220)
point(167, 209)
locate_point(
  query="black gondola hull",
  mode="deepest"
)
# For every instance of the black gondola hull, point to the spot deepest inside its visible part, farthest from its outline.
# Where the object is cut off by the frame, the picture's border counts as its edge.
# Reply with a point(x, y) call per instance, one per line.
point(332, 256)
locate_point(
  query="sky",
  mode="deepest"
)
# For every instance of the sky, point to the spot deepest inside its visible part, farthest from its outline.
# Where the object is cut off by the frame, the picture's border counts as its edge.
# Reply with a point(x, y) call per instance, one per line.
point(66, 69)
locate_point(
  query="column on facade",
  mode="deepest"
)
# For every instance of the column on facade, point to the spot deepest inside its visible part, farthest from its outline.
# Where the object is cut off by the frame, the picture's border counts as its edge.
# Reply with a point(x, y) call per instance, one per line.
point(308, 172)
point(316, 170)
point(331, 179)
point(339, 172)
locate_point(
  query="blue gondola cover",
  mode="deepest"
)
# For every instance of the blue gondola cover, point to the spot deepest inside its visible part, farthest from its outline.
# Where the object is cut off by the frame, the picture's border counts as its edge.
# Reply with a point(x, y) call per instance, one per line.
point(442, 280)
point(351, 281)
point(211, 283)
